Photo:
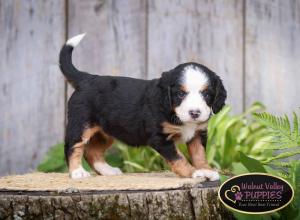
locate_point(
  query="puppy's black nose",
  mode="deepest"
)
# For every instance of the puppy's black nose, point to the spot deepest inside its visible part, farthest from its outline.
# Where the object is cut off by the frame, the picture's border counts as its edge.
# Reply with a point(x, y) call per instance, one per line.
point(195, 113)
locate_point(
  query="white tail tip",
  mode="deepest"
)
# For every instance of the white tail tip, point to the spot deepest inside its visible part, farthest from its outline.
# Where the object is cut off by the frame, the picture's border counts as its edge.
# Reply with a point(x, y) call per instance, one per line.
point(74, 41)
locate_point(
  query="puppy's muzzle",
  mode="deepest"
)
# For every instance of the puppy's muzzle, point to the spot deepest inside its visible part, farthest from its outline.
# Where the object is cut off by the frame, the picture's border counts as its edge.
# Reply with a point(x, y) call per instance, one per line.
point(195, 113)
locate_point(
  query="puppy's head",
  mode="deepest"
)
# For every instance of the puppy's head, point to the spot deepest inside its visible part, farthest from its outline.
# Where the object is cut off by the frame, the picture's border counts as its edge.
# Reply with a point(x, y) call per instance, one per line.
point(193, 92)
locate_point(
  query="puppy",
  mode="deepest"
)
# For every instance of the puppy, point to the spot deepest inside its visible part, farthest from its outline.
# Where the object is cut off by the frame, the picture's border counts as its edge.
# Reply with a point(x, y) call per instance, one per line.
point(158, 113)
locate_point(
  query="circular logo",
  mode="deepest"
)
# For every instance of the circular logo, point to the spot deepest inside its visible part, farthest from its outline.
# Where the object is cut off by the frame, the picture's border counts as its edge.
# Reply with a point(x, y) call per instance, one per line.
point(256, 193)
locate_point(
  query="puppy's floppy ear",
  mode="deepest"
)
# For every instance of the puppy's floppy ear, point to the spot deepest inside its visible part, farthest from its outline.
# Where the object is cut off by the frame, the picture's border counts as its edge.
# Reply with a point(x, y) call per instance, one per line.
point(165, 80)
point(220, 96)
point(165, 84)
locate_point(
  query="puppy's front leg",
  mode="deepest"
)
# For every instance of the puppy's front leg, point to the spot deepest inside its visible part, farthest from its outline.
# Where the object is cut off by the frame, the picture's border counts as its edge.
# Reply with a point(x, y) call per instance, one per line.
point(174, 157)
point(181, 166)
point(197, 153)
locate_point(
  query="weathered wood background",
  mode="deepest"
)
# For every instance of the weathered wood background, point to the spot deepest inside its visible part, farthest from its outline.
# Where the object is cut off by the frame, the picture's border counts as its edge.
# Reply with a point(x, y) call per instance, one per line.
point(254, 45)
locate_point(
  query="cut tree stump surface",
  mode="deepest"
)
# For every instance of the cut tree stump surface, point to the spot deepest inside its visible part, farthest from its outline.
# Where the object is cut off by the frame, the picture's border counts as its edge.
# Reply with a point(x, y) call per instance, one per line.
point(129, 196)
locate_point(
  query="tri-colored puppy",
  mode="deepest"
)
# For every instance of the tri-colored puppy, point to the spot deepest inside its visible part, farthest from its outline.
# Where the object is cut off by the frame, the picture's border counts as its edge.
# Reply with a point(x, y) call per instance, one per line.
point(158, 113)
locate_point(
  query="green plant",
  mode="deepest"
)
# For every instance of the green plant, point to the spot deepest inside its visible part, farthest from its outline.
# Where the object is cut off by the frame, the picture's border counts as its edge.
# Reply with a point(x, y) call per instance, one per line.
point(141, 159)
point(284, 137)
point(286, 151)
point(54, 161)
point(230, 134)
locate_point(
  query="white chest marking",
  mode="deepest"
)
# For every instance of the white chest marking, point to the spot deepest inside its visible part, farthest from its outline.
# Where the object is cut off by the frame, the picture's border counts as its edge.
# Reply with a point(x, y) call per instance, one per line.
point(188, 132)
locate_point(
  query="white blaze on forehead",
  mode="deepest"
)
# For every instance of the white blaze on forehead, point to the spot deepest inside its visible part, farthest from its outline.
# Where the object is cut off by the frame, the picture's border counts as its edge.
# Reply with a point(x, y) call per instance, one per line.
point(194, 78)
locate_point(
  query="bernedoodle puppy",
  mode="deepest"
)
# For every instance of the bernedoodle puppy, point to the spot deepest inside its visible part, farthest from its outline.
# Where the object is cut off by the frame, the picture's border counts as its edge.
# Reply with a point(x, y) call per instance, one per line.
point(158, 113)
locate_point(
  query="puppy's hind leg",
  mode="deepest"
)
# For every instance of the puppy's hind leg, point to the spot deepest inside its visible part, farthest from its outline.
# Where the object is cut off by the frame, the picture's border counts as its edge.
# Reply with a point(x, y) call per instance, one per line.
point(94, 154)
point(76, 138)
point(74, 154)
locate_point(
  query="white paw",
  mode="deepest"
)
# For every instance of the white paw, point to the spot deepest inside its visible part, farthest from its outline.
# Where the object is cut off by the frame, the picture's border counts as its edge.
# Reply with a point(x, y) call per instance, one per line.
point(211, 175)
point(79, 173)
point(198, 173)
point(107, 170)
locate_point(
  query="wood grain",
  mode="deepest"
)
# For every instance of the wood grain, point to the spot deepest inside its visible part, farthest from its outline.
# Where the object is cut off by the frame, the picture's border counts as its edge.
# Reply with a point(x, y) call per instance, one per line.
point(115, 40)
point(208, 32)
point(31, 85)
point(273, 54)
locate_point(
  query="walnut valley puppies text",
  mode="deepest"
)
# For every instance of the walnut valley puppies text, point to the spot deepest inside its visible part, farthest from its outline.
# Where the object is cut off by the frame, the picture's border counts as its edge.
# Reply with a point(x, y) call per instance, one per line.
point(261, 191)
point(256, 193)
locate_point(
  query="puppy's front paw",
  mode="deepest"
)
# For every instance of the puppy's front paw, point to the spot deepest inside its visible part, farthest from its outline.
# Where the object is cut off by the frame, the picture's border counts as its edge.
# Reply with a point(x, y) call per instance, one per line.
point(107, 170)
point(199, 174)
point(79, 173)
point(211, 175)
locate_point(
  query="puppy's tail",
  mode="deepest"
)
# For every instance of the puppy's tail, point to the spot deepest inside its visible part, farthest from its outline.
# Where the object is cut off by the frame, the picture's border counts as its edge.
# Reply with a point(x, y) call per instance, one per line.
point(73, 75)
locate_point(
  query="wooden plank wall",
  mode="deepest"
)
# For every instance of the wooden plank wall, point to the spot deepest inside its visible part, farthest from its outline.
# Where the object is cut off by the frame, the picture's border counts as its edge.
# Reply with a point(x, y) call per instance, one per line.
point(31, 87)
point(252, 44)
point(209, 32)
point(272, 51)
point(115, 42)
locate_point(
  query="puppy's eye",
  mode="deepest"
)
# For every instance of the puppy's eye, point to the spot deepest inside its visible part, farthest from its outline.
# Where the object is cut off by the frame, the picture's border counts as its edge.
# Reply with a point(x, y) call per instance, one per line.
point(205, 95)
point(181, 94)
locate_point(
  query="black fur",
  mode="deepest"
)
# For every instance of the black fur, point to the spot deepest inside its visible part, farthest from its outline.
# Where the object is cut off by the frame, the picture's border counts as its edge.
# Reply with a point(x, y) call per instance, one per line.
point(131, 110)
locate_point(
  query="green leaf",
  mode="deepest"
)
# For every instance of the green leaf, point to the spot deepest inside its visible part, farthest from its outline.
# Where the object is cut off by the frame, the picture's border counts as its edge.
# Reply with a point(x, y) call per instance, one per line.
point(296, 183)
point(256, 106)
point(251, 164)
point(295, 132)
point(54, 160)
point(136, 166)
point(239, 168)
point(223, 178)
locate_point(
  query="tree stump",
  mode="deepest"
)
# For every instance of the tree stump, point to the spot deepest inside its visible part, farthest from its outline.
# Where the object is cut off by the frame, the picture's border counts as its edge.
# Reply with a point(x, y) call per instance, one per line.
point(129, 196)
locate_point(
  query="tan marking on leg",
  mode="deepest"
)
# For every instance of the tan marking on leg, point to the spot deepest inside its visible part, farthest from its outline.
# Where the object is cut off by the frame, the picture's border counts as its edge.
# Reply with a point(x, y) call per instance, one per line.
point(75, 157)
point(95, 150)
point(78, 148)
point(181, 166)
point(90, 132)
point(197, 153)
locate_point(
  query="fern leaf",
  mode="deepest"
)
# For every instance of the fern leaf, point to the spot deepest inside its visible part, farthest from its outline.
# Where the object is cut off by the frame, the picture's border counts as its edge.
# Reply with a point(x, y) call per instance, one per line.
point(281, 129)
point(283, 175)
point(283, 155)
point(296, 182)
point(286, 123)
point(295, 132)
point(281, 164)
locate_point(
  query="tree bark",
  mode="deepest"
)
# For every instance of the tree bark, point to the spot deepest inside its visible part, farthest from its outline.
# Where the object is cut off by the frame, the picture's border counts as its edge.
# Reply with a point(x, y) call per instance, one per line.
point(184, 203)
point(129, 196)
